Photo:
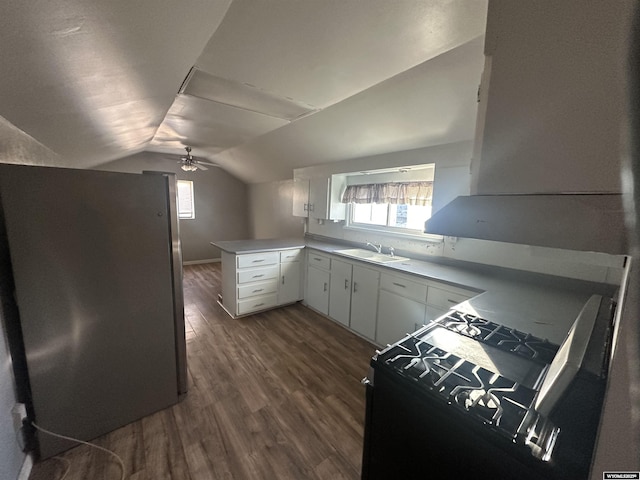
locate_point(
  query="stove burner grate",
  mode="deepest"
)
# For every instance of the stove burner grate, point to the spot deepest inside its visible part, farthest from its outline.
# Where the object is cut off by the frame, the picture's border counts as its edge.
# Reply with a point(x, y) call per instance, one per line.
point(489, 397)
point(499, 336)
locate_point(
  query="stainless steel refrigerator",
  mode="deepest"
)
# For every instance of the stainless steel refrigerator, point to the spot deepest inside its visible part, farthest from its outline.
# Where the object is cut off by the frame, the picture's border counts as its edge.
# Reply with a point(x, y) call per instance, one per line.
point(97, 268)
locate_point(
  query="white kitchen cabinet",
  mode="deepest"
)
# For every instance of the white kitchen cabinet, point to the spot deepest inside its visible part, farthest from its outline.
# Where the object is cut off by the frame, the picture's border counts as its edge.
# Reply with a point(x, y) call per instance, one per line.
point(318, 289)
point(340, 291)
point(344, 291)
point(380, 306)
point(254, 282)
point(364, 301)
point(319, 197)
point(318, 279)
point(441, 297)
point(300, 197)
point(401, 306)
point(289, 286)
point(397, 316)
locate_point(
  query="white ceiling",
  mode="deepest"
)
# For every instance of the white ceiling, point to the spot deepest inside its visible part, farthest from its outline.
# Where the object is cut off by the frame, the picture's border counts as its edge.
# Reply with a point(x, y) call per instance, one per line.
point(277, 84)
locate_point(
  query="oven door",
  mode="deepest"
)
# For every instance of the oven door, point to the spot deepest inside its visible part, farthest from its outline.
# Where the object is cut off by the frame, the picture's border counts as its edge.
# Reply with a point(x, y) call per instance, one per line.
point(410, 435)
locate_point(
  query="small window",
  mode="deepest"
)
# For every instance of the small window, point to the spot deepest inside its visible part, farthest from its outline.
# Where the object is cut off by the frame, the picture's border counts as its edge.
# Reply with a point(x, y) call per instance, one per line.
point(186, 207)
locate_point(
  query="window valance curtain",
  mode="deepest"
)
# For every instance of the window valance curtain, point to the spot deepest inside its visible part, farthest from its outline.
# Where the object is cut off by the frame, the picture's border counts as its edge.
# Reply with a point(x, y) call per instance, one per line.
point(403, 193)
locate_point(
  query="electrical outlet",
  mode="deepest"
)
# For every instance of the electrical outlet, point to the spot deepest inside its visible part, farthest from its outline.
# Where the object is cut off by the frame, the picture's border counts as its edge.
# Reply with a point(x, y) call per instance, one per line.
point(18, 413)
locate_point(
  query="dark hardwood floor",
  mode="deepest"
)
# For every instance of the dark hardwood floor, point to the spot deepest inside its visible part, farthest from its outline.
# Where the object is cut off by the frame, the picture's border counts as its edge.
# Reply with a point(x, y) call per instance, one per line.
point(271, 396)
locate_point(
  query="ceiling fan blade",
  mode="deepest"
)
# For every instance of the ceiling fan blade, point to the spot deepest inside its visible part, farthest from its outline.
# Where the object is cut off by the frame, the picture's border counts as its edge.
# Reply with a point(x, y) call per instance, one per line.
point(208, 164)
point(200, 166)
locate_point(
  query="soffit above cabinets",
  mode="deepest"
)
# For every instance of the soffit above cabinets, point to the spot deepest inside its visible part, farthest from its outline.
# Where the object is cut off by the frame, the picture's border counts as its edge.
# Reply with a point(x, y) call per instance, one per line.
point(97, 81)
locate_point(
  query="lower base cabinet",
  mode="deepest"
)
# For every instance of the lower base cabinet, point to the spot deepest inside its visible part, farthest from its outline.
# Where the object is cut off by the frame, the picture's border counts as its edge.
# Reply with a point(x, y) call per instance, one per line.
point(289, 283)
point(257, 281)
point(318, 289)
point(378, 304)
point(340, 291)
point(364, 301)
point(397, 316)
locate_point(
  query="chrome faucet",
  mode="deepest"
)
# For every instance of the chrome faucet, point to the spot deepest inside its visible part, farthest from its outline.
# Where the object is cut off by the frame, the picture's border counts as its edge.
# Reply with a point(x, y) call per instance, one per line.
point(392, 252)
point(378, 248)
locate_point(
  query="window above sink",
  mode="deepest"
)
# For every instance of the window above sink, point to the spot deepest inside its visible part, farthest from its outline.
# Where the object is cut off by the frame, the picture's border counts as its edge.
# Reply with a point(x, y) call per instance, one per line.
point(393, 201)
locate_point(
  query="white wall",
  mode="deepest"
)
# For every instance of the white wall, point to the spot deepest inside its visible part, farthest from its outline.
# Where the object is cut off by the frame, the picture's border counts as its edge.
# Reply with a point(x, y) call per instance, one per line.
point(270, 206)
point(555, 99)
point(17, 147)
point(221, 204)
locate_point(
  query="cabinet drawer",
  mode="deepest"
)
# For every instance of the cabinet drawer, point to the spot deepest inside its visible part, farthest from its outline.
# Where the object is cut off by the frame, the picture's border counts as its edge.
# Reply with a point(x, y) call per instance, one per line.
point(254, 289)
point(445, 298)
point(320, 261)
point(290, 255)
point(257, 259)
point(255, 304)
point(257, 274)
point(406, 288)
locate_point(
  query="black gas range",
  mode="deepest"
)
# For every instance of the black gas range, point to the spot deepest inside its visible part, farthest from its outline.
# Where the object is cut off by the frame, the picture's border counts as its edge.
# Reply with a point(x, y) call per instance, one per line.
point(460, 396)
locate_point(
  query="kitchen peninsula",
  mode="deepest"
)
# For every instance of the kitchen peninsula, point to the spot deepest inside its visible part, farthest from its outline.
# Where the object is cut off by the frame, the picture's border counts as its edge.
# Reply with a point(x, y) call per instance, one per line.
point(260, 274)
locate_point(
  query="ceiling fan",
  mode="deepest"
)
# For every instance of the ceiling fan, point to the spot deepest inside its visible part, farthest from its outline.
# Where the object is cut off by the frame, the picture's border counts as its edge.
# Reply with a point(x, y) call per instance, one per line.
point(188, 163)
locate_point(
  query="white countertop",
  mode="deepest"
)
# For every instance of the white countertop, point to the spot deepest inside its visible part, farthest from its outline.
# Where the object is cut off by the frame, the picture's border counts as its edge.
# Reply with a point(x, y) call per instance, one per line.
point(542, 305)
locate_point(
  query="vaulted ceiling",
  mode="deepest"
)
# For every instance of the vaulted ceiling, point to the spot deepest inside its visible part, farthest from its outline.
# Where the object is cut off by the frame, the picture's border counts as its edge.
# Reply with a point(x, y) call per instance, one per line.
point(257, 86)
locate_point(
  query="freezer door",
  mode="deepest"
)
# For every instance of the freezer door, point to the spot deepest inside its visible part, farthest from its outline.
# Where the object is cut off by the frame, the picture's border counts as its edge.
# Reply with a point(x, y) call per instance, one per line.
point(92, 261)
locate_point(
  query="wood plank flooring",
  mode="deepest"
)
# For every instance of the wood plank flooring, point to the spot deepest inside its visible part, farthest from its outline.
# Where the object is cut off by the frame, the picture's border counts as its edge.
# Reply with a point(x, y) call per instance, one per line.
point(271, 396)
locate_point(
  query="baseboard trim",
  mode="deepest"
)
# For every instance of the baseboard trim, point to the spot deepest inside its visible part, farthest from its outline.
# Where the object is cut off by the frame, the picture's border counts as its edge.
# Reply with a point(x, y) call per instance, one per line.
point(198, 262)
point(27, 465)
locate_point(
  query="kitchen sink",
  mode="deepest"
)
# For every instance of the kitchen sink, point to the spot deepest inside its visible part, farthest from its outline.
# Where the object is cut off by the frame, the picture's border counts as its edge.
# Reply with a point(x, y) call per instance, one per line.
point(370, 256)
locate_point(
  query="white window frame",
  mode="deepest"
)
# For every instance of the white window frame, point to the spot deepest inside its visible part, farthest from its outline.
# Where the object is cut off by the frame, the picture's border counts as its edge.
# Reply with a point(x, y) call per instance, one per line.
point(397, 231)
point(188, 211)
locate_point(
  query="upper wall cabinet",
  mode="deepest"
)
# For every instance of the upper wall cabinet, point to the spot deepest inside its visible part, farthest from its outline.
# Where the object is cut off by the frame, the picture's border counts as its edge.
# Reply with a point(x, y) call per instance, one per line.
point(319, 197)
point(555, 101)
point(300, 197)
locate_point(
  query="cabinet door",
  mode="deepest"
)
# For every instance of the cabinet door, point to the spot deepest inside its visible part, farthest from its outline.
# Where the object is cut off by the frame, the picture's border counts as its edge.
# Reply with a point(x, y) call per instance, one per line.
point(397, 316)
point(364, 301)
point(319, 197)
point(318, 289)
point(300, 197)
point(340, 291)
point(289, 283)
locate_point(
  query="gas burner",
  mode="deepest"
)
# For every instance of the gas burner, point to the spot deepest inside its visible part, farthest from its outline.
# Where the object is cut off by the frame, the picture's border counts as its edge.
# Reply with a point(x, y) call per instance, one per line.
point(487, 396)
point(464, 323)
point(499, 336)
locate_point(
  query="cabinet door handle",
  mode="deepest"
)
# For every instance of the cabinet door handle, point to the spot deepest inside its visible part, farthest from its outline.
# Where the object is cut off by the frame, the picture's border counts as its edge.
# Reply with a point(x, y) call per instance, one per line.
point(355, 287)
point(311, 207)
point(258, 290)
point(258, 305)
point(258, 276)
point(452, 301)
point(399, 285)
point(325, 287)
point(317, 259)
point(258, 261)
point(306, 207)
point(346, 284)
point(283, 279)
